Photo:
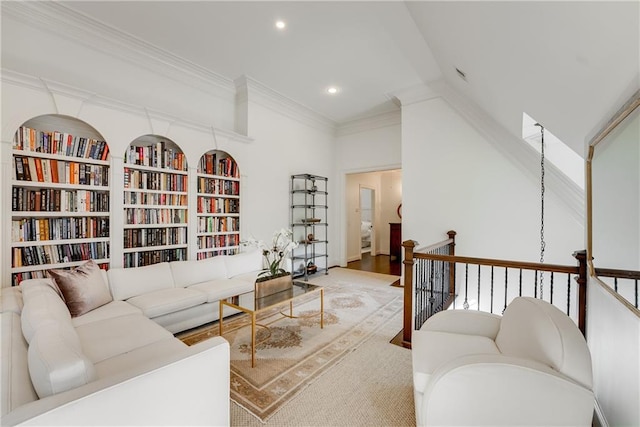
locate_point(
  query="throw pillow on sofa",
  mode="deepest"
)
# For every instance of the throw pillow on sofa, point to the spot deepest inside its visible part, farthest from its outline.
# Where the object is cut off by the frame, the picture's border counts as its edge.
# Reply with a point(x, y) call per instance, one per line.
point(83, 288)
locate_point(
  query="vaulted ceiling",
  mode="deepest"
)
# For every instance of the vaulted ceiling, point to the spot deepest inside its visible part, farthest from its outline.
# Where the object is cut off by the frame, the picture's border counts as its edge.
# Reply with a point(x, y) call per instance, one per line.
point(567, 64)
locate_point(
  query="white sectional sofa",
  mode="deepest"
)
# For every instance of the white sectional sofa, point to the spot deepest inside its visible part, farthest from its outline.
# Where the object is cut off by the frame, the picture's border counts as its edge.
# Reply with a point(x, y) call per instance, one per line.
point(119, 363)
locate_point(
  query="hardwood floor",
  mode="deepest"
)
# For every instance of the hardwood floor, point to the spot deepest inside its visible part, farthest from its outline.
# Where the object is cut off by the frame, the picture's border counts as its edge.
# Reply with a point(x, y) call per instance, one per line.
point(377, 264)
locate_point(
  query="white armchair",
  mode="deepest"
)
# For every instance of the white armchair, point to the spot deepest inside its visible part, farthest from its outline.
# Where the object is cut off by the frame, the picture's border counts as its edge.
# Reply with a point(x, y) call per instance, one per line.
point(530, 366)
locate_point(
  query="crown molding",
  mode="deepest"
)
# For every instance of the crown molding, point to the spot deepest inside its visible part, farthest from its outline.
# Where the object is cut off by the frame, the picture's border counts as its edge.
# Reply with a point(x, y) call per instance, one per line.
point(413, 94)
point(70, 24)
point(377, 121)
point(523, 155)
point(52, 87)
point(251, 90)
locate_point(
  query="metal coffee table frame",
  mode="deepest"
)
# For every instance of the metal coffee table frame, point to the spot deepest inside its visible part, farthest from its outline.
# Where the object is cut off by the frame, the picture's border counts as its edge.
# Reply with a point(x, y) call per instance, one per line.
point(298, 290)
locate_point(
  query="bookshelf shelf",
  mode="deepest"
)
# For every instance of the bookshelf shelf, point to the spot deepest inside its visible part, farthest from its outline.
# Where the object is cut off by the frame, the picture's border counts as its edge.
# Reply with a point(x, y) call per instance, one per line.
point(225, 249)
point(59, 242)
point(154, 248)
point(134, 226)
point(56, 214)
point(59, 196)
point(36, 268)
point(155, 202)
point(38, 154)
point(36, 184)
point(218, 205)
point(221, 196)
point(129, 206)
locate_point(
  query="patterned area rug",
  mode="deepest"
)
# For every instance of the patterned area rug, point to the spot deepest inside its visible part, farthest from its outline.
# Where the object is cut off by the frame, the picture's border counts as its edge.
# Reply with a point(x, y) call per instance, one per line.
point(297, 351)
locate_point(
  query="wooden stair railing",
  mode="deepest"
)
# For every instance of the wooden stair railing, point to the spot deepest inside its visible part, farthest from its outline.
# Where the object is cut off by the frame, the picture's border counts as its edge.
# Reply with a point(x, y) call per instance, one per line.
point(431, 285)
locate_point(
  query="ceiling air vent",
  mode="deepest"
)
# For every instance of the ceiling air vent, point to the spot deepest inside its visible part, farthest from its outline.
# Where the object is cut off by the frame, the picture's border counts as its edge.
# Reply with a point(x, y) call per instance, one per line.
point(461, 74)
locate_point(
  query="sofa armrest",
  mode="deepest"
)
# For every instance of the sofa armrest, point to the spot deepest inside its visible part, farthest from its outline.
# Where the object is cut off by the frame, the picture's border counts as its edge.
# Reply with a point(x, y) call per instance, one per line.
point(190, 387)
point(464, 322)
point(501, 390)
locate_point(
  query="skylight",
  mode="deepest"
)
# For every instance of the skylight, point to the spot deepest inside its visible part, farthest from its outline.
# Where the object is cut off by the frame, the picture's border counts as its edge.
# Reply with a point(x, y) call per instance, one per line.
point(555, 151)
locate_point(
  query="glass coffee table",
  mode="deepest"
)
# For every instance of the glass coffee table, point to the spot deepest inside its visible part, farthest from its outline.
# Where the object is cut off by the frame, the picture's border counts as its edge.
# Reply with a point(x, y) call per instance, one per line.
point(247, 303)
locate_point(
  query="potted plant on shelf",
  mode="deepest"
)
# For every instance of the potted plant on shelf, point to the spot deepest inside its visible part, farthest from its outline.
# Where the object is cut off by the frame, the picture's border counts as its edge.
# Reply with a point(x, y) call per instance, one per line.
point(274, 278)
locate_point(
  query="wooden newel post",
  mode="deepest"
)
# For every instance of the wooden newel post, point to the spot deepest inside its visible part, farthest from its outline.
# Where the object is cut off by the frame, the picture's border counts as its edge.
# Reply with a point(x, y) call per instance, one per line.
point(581, 256)
point(452, 265)
point(407, 327)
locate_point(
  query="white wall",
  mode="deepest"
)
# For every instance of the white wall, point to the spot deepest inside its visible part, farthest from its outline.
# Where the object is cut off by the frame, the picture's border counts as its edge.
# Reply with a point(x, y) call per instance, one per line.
point(283, 147)
point(455, 179)
point(613, 334)
point(373, 148)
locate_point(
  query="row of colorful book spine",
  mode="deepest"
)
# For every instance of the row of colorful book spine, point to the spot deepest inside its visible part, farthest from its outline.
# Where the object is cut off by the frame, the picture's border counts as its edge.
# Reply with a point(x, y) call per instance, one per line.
point(64, 144)
point(139, 259)
point(156, 155)
point(54, 200)
point(55, 171)
point(218, 186)
point(155, 216)
point(42, 229)
point(137, 238)
point(56, 254)
point(218, 224)
point(143, 180)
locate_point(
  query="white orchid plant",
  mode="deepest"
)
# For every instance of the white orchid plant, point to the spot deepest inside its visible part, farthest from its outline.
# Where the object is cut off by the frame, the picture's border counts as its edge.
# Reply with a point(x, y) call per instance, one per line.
point(276, 253)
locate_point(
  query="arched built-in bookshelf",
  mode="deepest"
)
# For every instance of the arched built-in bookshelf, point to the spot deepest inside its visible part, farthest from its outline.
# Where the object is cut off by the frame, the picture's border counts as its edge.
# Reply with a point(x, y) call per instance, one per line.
point(155, 202)
point(60, 196)
point(218, 198)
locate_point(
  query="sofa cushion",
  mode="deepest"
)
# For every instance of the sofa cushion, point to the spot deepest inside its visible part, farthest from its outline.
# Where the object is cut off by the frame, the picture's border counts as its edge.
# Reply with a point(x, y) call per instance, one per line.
point(139, 357)
point(157, 303)
point(243, 263)
point(130, 282)
point(83, 287)
point(56, 361)
point(42, 305)
point(11, 299)
point(107, 311)
point(215, 290)
point(28, 285)
point(186, 273)
point(431, 349)
point(16, 383)
point(534, 329)
point(111, 337)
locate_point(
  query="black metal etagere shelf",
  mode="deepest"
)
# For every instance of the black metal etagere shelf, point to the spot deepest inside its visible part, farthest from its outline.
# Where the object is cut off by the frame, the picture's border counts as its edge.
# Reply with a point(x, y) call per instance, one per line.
point(309, 224)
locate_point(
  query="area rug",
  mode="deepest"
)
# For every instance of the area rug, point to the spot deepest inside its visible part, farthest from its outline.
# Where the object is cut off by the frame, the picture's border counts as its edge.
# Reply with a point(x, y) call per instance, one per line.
point(297, 350)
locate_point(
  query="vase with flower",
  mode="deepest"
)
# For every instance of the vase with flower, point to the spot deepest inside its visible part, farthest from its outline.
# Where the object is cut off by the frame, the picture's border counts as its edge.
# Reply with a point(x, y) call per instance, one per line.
point(275, 277)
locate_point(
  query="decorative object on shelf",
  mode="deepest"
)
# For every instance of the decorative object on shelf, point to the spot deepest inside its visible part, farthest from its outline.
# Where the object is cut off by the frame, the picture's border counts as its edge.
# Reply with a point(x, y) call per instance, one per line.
point(311, 220)
point(274, 278)
point(311, 237)
point(311, 267)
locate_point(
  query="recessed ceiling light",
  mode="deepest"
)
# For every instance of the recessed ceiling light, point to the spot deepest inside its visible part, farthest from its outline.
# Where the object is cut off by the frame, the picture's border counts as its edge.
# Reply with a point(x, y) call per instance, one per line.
point(280, 25)
point(332, 90)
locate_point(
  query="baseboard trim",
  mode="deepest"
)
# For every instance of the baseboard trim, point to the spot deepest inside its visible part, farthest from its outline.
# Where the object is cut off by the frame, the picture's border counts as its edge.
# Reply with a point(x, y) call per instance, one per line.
point(598, 417)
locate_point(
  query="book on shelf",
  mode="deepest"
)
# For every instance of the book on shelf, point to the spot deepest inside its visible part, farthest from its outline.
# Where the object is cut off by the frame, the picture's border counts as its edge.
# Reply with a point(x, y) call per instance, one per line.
point(19, 169)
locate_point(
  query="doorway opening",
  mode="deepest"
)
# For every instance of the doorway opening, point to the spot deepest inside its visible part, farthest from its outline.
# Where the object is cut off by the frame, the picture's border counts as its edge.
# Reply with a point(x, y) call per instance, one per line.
point(371, 207)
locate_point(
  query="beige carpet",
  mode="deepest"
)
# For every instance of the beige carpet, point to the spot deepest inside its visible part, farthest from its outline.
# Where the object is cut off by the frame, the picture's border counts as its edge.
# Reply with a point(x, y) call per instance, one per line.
point(358, 307)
